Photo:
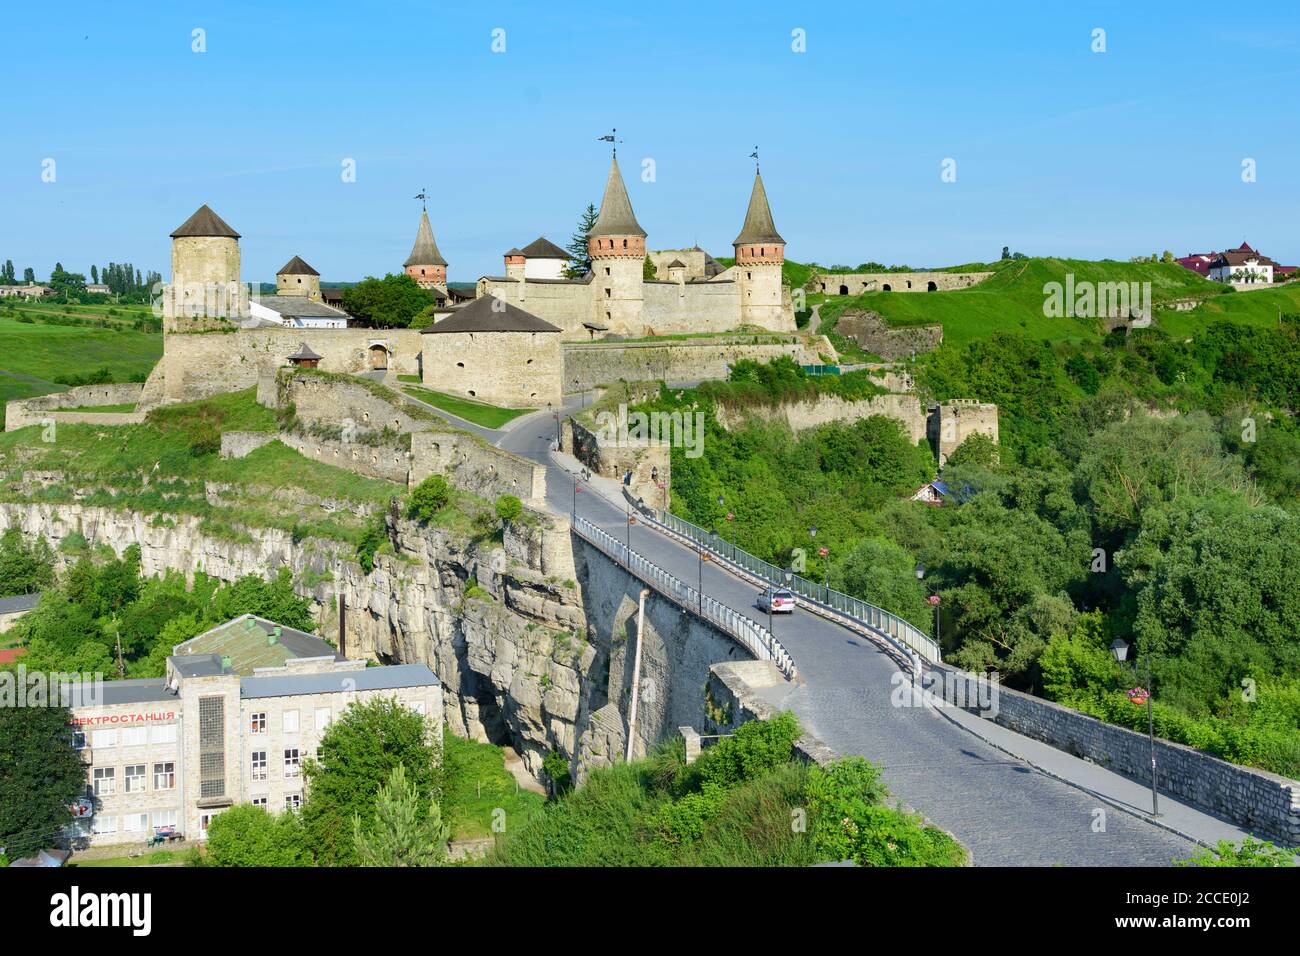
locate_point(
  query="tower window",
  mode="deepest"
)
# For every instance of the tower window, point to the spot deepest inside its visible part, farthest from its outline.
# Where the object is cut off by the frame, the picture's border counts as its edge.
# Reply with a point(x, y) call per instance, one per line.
point(624, 243)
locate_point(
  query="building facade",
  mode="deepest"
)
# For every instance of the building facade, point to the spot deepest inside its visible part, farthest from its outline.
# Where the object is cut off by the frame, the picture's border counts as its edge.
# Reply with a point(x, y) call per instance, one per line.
point(240, 710)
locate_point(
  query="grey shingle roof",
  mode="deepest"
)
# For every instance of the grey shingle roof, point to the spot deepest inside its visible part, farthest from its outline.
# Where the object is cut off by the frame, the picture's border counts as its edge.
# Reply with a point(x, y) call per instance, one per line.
point(139, 691)
point(616, 217)
point(676, 264)
point(19, 602)
point(425, 251)
point(370, 678)
point(489, 314)
point(758, 218)
point(304, 353)
point(296, 267)
point(204, 222)
point(299, 305)
point(543, 248)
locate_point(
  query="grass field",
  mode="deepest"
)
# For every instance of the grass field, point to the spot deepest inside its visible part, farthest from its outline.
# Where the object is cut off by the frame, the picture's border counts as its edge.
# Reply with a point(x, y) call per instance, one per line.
point(32, 355)
point(103, 409)
point(148, 858)
point(477, 784)
point(480, 413)
point(1013, 301)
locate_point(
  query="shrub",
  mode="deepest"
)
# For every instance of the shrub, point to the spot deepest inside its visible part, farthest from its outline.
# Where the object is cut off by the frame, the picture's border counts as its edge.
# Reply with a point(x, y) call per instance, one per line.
point(1249, 853)
point(509, 508)
point(429, 497)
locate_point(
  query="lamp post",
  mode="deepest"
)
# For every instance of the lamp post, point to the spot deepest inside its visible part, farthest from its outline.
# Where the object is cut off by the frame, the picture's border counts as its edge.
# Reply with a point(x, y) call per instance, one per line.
point(662, 485)
point(558, 438)
point(824, 553)
point(1140, 696)
point(703, 555)
point(722, 503)
point(934, 600)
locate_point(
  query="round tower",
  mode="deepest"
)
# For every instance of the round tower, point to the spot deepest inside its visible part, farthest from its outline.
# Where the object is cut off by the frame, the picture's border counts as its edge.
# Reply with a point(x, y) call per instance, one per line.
point(205, 286)
point(760, 252)
point(425, 264)
point(516, 262)
point(297, 278)
point(616, 244)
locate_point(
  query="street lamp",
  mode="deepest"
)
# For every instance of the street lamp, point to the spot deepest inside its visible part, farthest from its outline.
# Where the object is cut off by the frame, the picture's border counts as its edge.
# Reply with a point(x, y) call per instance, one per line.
point(934, 600)
point(825, 554)
point(662, 486)
point(1140, 696)
point(722, 503)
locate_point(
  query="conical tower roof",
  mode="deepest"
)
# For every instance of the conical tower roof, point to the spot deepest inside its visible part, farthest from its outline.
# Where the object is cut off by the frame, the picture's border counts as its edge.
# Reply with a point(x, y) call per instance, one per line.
point(425, 251)
point(205, 222)
point(296, 267)
point(758, 219)
point(616, 217)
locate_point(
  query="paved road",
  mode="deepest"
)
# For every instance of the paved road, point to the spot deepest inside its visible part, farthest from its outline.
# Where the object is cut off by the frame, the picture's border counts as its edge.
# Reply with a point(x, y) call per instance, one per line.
point(1000, 807)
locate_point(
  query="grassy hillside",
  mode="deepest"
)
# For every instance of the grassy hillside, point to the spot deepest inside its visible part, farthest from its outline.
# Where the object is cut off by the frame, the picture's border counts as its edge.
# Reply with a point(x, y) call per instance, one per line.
point(34, 353)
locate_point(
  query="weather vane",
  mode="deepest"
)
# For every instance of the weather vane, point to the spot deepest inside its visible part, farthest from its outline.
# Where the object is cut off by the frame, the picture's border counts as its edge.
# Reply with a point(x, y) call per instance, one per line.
point(423, 196)
point(754, 157)
point(610, 137)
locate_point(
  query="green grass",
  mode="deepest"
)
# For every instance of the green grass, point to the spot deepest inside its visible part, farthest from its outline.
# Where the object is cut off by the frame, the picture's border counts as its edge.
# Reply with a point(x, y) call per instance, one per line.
point(152, 858)
point(33, 355)
point(1012, 300)
point(103, 409)
point(410, 379)
point(477, 784)
point(480, 413)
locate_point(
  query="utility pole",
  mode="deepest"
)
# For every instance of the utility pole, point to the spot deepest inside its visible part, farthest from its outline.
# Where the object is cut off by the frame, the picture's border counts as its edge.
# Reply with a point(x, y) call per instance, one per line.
point(636, 673)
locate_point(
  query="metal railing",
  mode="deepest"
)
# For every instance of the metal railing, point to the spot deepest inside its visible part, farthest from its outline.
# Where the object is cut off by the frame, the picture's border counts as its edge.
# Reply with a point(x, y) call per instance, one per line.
point(890, 626)
point(751, 635)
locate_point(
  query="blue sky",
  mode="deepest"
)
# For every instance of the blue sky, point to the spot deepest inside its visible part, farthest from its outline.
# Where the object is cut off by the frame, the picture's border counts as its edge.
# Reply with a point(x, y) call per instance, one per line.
point(1058, 150)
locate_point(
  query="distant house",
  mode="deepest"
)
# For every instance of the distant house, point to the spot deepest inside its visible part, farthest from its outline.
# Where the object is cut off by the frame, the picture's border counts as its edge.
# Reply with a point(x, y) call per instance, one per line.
point(932, 493)
point(12, 608)
point(98, 287)
point(30, 291)
point(297, 312)
point(1240, 265)
point(10, 654)
point(1198, 262)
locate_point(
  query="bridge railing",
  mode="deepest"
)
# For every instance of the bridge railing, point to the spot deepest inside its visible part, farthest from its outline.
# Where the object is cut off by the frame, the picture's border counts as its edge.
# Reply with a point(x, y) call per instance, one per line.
point(751, 635)
point(877, 619)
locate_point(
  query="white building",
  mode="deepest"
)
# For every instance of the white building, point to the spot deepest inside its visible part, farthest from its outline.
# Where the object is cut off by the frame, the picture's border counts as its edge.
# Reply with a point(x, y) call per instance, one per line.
point(1242, 265)
point(241, 708)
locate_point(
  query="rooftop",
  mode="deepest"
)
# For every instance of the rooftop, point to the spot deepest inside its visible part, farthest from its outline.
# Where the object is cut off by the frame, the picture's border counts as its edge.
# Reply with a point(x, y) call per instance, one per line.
point(19, 602)
point(252, 642)
point(543, 248)
point(490, 314)
point(296, 267)
point(425, 251)
point(204, 222)
point(299, 306)
point(616, 217)
point(391, 677)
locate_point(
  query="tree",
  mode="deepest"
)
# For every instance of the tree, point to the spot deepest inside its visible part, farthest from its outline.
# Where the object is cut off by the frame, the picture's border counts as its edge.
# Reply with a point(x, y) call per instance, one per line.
point(246, 835)
point(648, 271)
point(24, 569)
point(7, 275)
point(579, 253)
point(509, 508)
point(40, 775)
point(393, 302)
point(29, 275)
point(1006, 252)
point(94, 273)
point(355, 758)
point(397, 836)
point(274, 600)
point(429, 497)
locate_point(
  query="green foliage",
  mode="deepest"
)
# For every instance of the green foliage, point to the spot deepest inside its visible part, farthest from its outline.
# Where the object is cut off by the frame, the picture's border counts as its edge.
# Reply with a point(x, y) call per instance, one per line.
point(393, 302)
point(246, 835)
point(403, 831)
point(356, 757)
point(429, 497)
point(40, 775)
point(24, 569)
point(478, 789)
point(556, 768)
point(1249, 852)
point(509, 508)
point(578, 249)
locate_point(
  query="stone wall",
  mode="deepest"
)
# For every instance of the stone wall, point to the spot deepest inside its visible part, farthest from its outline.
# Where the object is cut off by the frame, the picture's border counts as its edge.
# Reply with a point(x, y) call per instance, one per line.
point(587, 365)
point(389, 461)
point(473, 465)
point(33, 411)
point(873, 334)
point(957, 420)
point(513, 369)
point(242, 444)
point(856, 283)
point(1256, 799)
point(614, 460)
point(905, 409)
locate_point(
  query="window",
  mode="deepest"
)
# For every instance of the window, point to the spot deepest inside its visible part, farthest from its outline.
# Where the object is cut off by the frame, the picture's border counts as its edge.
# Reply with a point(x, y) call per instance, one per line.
point(135, 736)
point(322, 718)
point(104, 738)
point(79, 739)
point(257, 723)
point(293, 801)
point(290, 721)
point(259, 802)
point(164, 818)
point(205, 820)
point(292, 763)
point(104, 825)
point(259, 764)
point(105, 781)
point(164, 776)
point(135, 822)
point(163, 735)
point(133, 778)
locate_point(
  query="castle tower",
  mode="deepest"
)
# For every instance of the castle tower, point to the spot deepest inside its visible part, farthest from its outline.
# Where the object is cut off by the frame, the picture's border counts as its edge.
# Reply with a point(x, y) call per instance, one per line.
point(515, 263)
point(617, 247)
point(297, 278)
point(425, 264)
point(760, 251)
point(205, 287)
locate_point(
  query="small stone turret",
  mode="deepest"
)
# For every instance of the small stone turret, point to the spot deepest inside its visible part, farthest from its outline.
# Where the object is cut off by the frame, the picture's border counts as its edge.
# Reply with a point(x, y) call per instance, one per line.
point(760, 252)
point(205, 289)
point(297, 278)
point(515, 264)
point(617, 247)
point(425, 264)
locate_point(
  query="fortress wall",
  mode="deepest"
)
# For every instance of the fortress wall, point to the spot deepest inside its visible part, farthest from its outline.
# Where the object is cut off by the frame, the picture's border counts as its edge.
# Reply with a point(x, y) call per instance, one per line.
point(859, 282)
point(200, 365)
point(515, 369)
point(348, 404)
point(565, 305)
point(958, 420)
point(672, 309)
point(388, 461)
point(905, 409)
point(32, 411)
point(474, 466)
point(692, 259)
point(588, 365)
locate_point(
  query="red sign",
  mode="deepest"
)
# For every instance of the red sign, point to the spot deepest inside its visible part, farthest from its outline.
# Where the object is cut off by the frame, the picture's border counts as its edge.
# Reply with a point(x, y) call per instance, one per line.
point(124, 718)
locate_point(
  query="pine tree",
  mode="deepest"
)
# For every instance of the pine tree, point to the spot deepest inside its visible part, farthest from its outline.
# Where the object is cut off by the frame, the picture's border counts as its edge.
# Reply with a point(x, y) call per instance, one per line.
point(579, 255)
point(398, 837)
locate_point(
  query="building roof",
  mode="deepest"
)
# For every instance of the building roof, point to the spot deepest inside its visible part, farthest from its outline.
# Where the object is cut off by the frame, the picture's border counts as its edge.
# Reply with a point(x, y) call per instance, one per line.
point(1237, 257)
point(676, 264)
point(616, 217)
point(332, 295)
point(111, 692)
point(392, 677)
point(758, 225)
point(487, 313)
point(205, 222)
point(10, 654)
point(247, 641)
point(304, 353)
point(543, 248)
point(19, 602)
point(425, 251)
point(296, 267)
point(513, 251)
point(299, 306)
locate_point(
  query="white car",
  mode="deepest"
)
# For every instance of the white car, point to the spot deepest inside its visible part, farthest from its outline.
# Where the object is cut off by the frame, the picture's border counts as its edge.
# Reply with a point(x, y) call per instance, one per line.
point(776, 601)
